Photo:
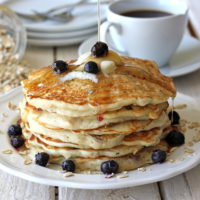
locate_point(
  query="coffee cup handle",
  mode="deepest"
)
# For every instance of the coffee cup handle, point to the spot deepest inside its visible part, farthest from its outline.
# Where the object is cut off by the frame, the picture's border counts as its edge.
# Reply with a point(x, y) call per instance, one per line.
point(104, 32)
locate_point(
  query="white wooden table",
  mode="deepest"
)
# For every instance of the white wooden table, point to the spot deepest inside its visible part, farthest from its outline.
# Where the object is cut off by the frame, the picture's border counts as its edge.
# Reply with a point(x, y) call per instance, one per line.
point(183, 187)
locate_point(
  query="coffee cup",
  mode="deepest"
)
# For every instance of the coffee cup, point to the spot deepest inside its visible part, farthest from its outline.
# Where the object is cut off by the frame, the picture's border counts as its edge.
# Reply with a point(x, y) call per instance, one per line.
point(153, 38)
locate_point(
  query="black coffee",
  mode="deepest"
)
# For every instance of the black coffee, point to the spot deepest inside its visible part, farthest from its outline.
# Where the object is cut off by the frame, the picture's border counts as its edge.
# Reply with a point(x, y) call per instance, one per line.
point(145, 13)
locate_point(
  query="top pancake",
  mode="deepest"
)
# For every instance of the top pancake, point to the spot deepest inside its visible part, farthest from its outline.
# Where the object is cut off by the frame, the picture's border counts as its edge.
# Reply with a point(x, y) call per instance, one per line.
point(135, 81)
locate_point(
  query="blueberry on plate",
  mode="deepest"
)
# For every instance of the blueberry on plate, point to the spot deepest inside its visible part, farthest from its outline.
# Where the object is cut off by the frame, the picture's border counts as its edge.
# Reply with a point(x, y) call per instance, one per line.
point(109, 167)
point(68, 165)
point(14, 130)
point(91, 67)
point(59, 66)
point(158, 156)
point(100, 49)
point(175, 138)
point(175, 116)
point(42, 159)
point(17, 141)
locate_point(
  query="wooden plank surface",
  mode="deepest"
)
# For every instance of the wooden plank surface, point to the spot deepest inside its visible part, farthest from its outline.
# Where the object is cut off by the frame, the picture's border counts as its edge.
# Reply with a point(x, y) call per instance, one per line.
point(146, 192)
point(65, 53)
point(193, 180)
point(175, 188)
point(189, 84)
point(39, 56)
point(13, 188)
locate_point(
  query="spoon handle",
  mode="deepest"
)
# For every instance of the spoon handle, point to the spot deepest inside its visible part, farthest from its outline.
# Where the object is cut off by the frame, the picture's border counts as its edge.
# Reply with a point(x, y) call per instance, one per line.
point(81, 3)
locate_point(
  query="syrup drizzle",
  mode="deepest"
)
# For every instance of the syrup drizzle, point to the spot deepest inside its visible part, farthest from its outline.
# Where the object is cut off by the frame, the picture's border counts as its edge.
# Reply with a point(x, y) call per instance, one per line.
point(98, 19)
point(98, 36)
point(172, 118)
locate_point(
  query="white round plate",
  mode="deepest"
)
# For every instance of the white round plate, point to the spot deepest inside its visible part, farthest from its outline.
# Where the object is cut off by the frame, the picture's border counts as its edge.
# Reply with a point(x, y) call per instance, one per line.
point(185, 60)
point(84, 16)
point(66, 34)
point(58, 41)
point(14, 163)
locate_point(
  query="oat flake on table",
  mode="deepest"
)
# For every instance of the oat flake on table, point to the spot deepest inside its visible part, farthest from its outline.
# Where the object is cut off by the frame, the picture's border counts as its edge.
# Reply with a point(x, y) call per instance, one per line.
point(11, 72)
point(7, 151)
point(12, 106)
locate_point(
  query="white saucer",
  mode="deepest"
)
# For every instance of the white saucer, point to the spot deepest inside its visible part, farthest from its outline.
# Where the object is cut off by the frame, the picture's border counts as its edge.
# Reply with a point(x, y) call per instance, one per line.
point(84, 16)
point(184, 61)
point(62, 34)
point(58, 41)
point(14, 163)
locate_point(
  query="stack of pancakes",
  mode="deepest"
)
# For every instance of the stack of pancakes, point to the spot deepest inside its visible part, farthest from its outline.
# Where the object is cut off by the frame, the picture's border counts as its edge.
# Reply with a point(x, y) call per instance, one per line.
point(122, 117)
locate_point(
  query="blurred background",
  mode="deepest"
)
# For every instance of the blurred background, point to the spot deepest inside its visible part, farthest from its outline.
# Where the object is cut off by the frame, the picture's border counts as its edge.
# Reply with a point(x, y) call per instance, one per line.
point(57, 23)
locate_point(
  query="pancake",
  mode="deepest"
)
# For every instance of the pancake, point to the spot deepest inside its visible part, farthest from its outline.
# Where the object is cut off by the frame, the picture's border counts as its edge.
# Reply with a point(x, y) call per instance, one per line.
point(134, 82)
point(127, 162)
point(94, 121)
point(123, 128)
point(144, 138)
point(70, 153)
point(80, 140)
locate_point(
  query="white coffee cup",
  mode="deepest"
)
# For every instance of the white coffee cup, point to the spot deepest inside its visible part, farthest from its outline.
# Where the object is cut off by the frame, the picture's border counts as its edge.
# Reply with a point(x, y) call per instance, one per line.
point(147, 38)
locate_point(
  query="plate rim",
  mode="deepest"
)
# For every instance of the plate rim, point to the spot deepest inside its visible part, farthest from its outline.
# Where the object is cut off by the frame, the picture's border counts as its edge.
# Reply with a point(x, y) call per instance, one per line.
point(62, 42)
point(94, 186)
point(56, 35)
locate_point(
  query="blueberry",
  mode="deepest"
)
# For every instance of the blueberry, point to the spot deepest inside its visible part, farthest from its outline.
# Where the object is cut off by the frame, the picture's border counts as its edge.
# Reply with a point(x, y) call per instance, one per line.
point(14, 130)
point(176, 117)
point(175, 138)
point(17, 141)
point(42, 159)
point(109, 167)
point(158, 156)
point(59, 66)
point(68, 165)
point(91, 67)
point(100, 49)
point(129, 107)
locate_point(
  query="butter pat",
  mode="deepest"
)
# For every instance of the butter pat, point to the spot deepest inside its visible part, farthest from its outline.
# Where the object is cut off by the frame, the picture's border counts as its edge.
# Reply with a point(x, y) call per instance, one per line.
point(79, 75)
point(107, 66)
